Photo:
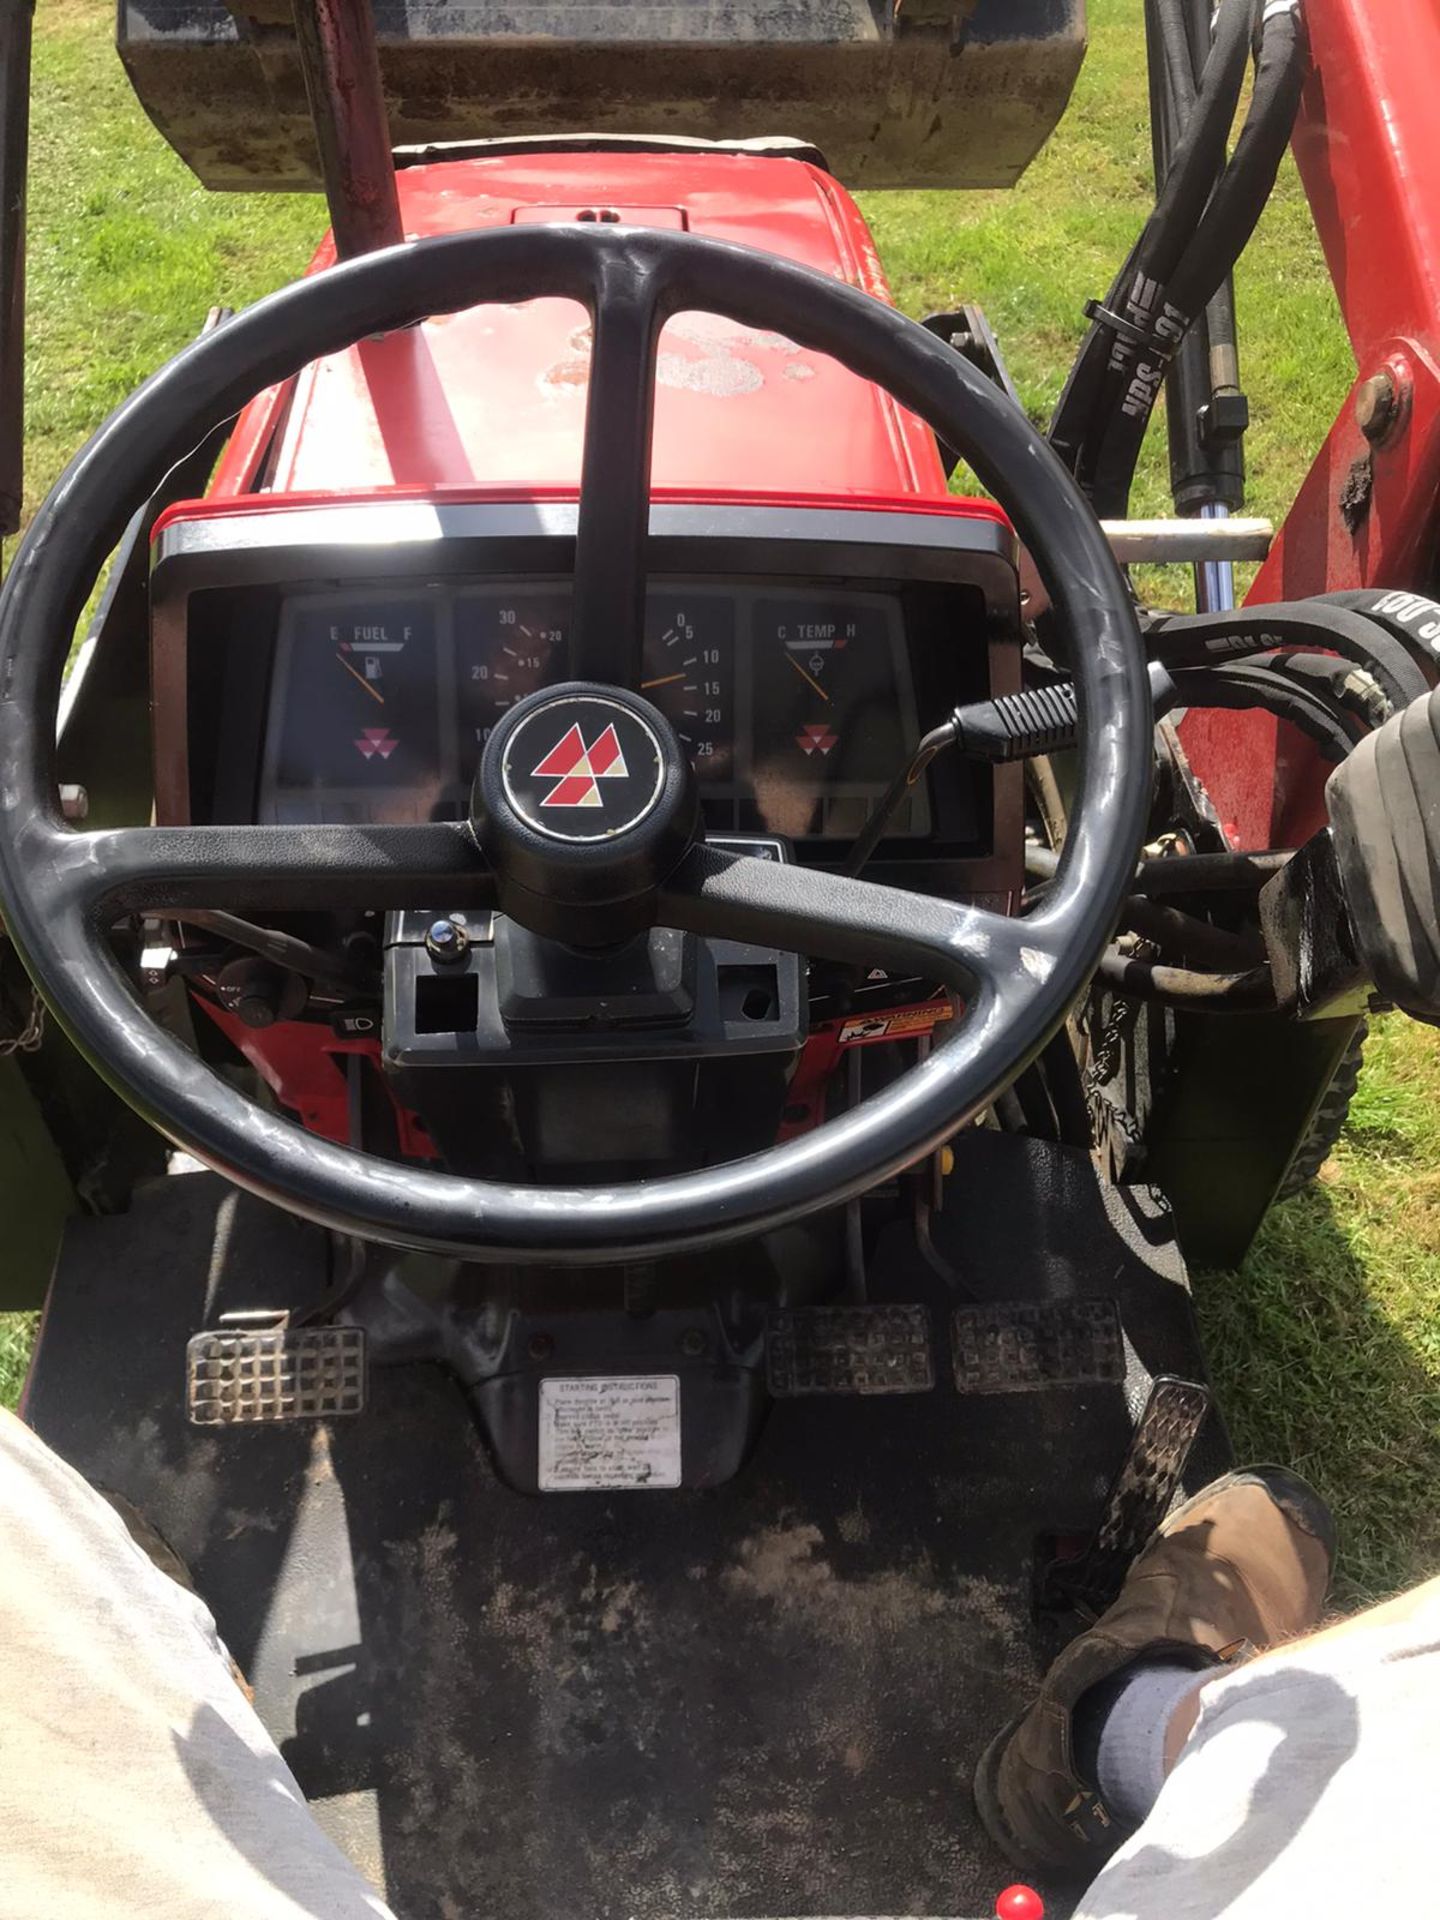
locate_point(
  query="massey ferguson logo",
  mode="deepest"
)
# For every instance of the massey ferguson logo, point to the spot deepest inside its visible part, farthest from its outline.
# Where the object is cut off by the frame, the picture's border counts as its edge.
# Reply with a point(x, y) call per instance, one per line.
point(578, 769)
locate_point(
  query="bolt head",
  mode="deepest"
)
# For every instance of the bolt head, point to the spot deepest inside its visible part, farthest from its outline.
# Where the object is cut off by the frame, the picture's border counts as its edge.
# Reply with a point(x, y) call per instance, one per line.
point(445, 940)
point(1378, 406)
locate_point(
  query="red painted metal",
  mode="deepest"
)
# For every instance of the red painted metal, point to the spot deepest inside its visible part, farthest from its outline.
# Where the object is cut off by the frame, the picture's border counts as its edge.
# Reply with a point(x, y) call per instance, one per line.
point(1367, 152)
point(495, 397)
point(304, 1067)
point(341, 64)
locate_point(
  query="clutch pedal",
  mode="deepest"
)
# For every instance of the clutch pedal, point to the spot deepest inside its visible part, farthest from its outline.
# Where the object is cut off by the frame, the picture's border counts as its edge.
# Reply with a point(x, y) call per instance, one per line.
point(260, 1371)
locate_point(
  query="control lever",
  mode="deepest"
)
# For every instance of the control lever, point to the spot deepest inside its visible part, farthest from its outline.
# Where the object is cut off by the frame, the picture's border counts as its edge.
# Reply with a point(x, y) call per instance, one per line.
point(1017, 726)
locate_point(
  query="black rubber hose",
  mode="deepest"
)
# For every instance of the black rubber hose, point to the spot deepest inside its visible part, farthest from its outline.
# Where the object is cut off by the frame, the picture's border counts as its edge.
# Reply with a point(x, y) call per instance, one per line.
point(1411, 618)
point(1238, 687)
point(1187, 873)
point(1354, 690)
point(1208, 639)
point(1181, 935)
point(1246, 185)
point(1106, 468)
point(1160, 874)
point(1249, 992)
point(1179, 60)
point(1156, 255)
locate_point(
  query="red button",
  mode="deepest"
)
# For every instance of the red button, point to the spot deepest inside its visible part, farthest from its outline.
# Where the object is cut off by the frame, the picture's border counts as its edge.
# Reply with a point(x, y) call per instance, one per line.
point(1019, 1903)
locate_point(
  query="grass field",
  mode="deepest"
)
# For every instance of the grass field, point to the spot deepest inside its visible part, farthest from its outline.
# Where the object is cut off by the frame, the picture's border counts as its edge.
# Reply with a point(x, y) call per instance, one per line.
point(1327, 1344)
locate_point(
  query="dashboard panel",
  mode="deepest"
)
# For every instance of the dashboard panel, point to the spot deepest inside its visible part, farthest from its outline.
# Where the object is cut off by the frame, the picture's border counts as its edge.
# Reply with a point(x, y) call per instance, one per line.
point(795, 702)
point(344, 660)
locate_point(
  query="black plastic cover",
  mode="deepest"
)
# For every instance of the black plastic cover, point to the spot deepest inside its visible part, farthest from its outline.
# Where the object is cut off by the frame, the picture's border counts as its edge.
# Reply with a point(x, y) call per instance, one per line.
point(1385, 818)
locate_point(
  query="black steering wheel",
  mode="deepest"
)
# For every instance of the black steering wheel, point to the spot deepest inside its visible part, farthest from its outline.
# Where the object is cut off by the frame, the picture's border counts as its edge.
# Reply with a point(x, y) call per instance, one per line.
point(1018, 977)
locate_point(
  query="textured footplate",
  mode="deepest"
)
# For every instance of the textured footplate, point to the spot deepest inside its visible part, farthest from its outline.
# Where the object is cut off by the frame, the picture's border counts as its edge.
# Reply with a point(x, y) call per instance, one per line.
point(849, 1350)
point(1139, 1497)
point(1022, 1346)
point(260, 1376)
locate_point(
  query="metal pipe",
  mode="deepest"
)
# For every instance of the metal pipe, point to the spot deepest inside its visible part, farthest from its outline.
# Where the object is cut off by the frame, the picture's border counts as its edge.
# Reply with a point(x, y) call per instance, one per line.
point(1228, 537)
point(341, 64)
point(16, 17)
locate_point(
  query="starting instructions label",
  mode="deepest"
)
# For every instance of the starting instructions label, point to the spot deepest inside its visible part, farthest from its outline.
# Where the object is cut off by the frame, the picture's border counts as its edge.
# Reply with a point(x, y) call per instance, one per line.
point(609, 1431)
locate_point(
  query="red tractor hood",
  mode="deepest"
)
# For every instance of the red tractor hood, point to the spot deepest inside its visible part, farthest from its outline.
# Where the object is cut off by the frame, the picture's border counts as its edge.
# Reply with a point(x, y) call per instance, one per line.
point(494, 398)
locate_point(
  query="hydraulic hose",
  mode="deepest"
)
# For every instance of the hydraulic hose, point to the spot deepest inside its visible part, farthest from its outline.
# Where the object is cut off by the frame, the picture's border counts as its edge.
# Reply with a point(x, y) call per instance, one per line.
point(1354, 690)
point(1179, 209)
point(1249, 992)
point(1179, 61)
point(1247, 183)
point(1411, 618)
point(1207, 639)
point(1240, 687)
point(1235, 207)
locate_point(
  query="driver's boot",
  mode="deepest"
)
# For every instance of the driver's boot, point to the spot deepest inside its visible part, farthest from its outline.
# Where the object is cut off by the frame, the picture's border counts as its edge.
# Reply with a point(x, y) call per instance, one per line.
point(1243, 1565)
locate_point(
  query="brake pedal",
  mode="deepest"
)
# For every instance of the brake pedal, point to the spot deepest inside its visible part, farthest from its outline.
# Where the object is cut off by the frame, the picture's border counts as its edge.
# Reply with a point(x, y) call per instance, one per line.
point(264, 1374)
point(861, 1350)
point(1027, 1346)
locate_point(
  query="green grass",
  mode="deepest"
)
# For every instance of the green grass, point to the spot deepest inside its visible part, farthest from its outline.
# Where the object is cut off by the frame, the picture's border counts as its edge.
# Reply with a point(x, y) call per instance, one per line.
point(17, 1333)
point(1327, 1346)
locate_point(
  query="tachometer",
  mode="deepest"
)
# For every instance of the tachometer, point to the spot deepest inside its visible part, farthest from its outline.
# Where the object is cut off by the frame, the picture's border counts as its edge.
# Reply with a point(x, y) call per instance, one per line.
point(690, 675)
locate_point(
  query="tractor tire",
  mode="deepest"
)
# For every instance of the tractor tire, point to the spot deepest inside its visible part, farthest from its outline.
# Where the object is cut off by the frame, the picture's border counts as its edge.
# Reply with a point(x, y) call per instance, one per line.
point(1329, 1122)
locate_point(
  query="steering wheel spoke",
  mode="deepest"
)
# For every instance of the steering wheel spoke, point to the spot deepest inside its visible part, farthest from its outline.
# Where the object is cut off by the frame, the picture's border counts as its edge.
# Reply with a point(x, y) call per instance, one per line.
point(804, 910)
point(260, 869)
point(608, 605)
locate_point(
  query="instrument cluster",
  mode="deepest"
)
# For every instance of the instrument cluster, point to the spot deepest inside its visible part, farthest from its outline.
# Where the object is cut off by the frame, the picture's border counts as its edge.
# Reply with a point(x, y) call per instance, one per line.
point(796, 704)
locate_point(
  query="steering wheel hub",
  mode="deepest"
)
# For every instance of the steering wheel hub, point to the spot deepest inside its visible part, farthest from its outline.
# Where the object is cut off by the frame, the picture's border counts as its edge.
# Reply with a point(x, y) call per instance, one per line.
point(584, 804)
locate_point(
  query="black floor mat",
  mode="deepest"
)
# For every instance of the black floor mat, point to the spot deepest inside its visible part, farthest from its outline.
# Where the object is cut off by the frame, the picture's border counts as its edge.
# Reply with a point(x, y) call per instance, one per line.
point(765, 1699)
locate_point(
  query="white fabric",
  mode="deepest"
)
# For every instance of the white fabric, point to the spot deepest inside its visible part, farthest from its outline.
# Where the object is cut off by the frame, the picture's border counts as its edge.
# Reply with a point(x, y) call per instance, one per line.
point(1305, 1792)
point(135, 1778)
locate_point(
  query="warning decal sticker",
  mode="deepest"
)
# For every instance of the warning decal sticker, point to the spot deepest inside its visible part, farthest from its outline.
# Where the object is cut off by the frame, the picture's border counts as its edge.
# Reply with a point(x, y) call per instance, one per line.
point(903, 1025)
point(609, 1431)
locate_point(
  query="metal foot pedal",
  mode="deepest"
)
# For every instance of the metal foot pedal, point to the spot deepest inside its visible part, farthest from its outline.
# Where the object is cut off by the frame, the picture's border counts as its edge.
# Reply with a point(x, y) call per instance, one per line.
point(261, 1375)
point(848, 1350)
point(1138, 1501)
point(1023, 1346)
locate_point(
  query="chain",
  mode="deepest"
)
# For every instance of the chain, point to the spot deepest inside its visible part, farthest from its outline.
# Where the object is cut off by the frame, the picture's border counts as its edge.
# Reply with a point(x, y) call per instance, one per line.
point(28, 1040)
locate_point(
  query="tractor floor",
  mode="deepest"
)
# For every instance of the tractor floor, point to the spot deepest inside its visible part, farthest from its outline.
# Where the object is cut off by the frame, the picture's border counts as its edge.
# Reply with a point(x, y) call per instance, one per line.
point(765, 1699)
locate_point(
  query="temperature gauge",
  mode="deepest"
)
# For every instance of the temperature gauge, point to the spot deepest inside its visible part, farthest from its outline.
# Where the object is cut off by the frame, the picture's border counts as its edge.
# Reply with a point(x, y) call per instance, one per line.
point(506, 645)
point(690, 675)
point(834, 713)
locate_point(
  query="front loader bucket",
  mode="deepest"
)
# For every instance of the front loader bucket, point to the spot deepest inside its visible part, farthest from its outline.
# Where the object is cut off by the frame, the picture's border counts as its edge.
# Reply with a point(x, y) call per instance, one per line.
point(919, 93)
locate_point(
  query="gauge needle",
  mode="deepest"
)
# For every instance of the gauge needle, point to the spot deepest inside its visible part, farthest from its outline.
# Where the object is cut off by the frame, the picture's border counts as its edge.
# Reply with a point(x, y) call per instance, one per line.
point(808, 676)
point(668, 681)
point(374, 692)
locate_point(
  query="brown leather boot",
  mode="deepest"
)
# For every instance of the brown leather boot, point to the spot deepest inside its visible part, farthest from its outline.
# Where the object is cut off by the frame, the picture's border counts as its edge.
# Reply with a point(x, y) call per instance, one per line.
point(1243, 1565)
